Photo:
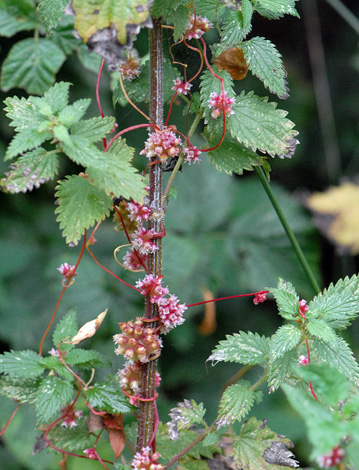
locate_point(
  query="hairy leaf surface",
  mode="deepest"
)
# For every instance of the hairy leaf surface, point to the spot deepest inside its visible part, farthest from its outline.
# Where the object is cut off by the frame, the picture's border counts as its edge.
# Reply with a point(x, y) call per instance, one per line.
point(282, 369)
point(52, 395)
point(274, 9)
point(19, 389)
point(51, 12)
point(285, 339)
point(287, 299)
point(106, 397)
point(25, 364)
point(236, 26)
point(66, 328)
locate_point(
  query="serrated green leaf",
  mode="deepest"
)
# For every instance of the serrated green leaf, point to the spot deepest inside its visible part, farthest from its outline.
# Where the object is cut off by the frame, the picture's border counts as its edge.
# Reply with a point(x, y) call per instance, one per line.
point(51, 12)
point(282, 369)
point(93, 129)
point(23, 113)
point(287, 299)
point(236, 402)
point(165, 7)
point(15, 16)
point(67, 327)
point(253, 441)
point(337, 305)
point(338, 355)
point(25, 364)
point(73, 112)
point(53, 363)
point(274, 9)
point(91, 61)
point(81, 204)
point(19, 389)
point(57, 97)
point(86, 359)
point(27, 139)
point(107, 397)
point(212, 438)
point(245, 348)
point(188, 413)
point(72, 439)
point(179, 20)
point(321, 330)
point(91, 18)
point(30, 171)
point(31, 64)
point(265, 62)
point(285, 339)
point(52, 395)
point(259, 125)
point(232, 157)
point(236, 26)
point(211, 9)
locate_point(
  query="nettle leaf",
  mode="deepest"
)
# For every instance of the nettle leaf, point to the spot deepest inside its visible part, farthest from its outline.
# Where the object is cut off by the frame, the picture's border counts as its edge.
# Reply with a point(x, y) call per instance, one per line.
point(93, 129)
point(211, 9)
point(66, 328)
point(251, 447)
point(107, 397)
point(165, 7)
point(265, 62)
point(54, 364)
point(23, 113)
point(31, 64)
point(52, 395)
point(25, 364)
point(236, 402)
point(257, 124)
point(338, 355)
point(282, 369)
point(81, 205)
point(275, 9)
point(22, 390)
point(57, 98)
point(321, 330)
point(72, 113)
point(86, 359)
point(122, 16)
point(287, 299)
point(179, 20)
point(72, 439)
point(339, 304)
point(30, 171)
point(236, 25)
point(51, 12)
point(285, 339)
point(25, 140)
point(15, 16)
point(232, 157)
point(245, 348)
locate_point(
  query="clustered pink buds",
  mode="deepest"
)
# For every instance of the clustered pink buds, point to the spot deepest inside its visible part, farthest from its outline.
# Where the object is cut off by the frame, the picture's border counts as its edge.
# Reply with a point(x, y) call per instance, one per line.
point(143, 241)
point(180, 87)
point(197, 26)
point(220, 103)
point(145, 461)
point(302, 308)
point(151, 286)
point(163, 145)
point(67, 271)
point(192, 154)
point(137, 212)
point(259, 298)
point(303, 360)
point(70, 417)
point(130, 378)
point(136, 342)
point(134, 261)
point(170, 312)
point(90, 453)
point(131, 69)
point(334, 457)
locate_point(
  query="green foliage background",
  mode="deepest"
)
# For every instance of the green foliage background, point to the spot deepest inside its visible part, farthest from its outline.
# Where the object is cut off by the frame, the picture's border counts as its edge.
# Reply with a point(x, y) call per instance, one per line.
point(222, 233)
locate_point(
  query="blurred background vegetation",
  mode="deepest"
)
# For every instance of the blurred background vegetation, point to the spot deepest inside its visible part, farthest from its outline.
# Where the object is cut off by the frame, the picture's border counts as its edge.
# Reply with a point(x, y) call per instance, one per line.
point(223, 235)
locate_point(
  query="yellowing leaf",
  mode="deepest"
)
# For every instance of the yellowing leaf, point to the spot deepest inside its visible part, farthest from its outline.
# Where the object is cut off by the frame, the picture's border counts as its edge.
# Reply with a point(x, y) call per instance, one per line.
point(342, 203)
point(88, 329)
point(123, 15)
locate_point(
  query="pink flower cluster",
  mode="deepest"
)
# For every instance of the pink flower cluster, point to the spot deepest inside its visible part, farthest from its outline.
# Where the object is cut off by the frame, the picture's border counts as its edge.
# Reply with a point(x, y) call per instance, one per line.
point(303, 360)
point(181, 88)
point(90, 453)
point(136, 342)
point(197, 26)
point(162, 144)
point(143, 241)
point(145, 461)
point(67, 271)
point(220, 103)
point(130, 380)
point(137, 212)
point(70, 417)
point(130, 69)
point(192, 154)
point(334, 457)
point(302, 308)
point(259, 298)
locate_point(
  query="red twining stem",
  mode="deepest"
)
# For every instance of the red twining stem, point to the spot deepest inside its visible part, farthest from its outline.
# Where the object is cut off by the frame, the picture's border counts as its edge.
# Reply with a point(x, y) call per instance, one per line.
point(154, 398)
point(10, 419)
point(131, 128)
point(62, 293)
point(310, 383)
point(230, 297)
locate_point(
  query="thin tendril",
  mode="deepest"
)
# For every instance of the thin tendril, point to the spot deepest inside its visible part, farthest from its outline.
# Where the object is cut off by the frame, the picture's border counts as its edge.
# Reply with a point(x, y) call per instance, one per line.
point(129, 99)
point(131, 128)
point(10, 419)
point(230, 297)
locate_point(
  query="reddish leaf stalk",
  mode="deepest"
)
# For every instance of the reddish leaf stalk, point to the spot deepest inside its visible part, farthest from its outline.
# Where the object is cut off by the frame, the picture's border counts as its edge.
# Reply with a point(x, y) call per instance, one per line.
point(229, 297)
point(147, 414)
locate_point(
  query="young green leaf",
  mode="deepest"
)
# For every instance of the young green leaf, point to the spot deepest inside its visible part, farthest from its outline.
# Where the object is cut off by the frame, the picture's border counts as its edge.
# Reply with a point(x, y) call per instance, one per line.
point(81, 204)
point(22, 390)
point(27, 139)
point(282, 369)
point(236, 402)
point(236, 26)
point(86, 359)
point(54, 364)
point(245, 348)
point(179, 20)
point(265, 62)
point(72, 113)
point(321, 330)
point(57, 98)
point(32, 65)
point(259, 125)
point(23, 113)
point(165, 7)
point(275, 9)
point(66, 328)
point(338, 305)
point(256, 443)
point(15, 16)
point(107, 397)
point(183, 416)
point(211, 9)
point(51, 12)
point(25, 364)
point(74, 439)
point(53, 393)
point(285, 339)
point(93, 129)
point(30, 171)
point(287, 299)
